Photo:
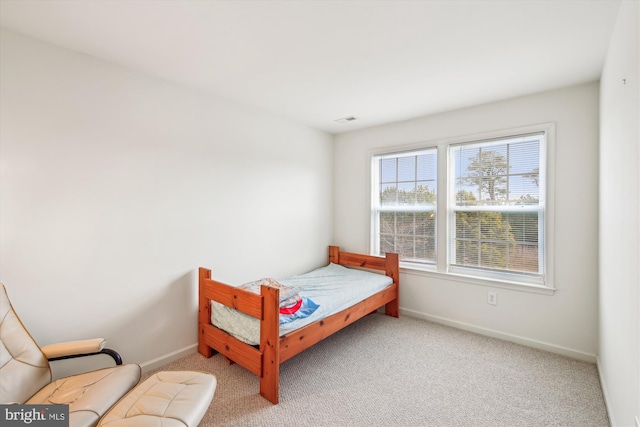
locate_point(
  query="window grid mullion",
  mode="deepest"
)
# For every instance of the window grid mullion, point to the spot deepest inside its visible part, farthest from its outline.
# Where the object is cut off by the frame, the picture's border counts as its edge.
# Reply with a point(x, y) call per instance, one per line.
point(403, 203)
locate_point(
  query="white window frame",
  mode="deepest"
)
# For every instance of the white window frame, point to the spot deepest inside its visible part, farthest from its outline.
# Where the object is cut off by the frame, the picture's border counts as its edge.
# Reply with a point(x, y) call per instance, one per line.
point(536, 278)
point(376, 206)
point(546, 285)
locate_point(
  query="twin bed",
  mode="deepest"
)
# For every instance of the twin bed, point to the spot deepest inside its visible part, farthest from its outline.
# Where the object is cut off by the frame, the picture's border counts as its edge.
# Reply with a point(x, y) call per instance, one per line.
point(251, 327)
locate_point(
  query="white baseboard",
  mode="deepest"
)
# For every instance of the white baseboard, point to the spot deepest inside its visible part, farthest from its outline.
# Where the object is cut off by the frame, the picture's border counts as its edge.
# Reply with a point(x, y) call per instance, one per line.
point(503, 336)
point(168, 358)
point(605, 393)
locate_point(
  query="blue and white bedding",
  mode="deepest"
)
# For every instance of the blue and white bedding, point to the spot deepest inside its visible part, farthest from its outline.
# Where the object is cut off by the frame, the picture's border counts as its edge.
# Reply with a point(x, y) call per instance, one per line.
point(333, 288)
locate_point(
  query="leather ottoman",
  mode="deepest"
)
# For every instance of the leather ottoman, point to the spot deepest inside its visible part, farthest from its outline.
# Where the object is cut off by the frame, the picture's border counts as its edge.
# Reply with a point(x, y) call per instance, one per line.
point(167, 398)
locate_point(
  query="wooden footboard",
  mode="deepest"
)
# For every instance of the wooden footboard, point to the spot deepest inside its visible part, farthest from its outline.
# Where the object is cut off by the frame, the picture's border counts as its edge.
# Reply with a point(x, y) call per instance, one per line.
point(274, 349)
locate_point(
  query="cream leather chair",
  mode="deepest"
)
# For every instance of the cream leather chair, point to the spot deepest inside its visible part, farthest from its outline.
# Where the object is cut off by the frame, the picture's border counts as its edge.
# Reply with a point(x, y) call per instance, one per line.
point(25, 374)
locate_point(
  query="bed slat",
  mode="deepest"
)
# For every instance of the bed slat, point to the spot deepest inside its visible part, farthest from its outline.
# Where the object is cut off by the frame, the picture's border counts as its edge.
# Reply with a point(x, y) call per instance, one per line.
point(241, 353)
point(238, 299)
point(357, 260)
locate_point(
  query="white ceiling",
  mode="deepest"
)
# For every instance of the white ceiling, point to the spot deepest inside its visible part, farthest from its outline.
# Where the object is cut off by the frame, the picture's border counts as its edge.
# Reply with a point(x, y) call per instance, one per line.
point(317, 61)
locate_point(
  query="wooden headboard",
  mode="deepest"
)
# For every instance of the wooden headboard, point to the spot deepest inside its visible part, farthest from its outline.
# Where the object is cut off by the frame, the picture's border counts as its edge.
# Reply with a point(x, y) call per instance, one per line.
point(388, 263)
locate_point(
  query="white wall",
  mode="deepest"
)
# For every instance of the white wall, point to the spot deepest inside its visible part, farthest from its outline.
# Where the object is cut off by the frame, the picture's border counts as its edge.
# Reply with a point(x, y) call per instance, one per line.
point(116, 187)
point(565, 322)
point(619, 347)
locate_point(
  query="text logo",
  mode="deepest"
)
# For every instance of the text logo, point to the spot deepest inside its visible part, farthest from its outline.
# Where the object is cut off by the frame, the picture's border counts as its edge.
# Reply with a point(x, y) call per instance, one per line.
point(35, 415)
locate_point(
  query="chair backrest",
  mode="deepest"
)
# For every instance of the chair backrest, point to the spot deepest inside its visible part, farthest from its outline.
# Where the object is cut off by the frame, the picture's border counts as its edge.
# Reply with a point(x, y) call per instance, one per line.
point(24, 369)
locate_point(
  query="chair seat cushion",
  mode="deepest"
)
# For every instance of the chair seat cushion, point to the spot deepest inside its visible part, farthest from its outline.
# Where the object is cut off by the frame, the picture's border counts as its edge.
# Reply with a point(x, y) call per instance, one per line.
point(168, 398)
point(91, 394)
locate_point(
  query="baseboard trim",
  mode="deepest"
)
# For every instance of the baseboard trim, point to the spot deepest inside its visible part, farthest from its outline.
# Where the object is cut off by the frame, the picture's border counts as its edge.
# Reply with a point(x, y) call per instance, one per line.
point(540, 345)
point(605, 392)
point(168, 358)
point(592, 358)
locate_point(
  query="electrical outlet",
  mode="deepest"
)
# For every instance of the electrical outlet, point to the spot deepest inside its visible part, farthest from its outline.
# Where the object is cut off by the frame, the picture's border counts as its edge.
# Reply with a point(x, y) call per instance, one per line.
point(492, 298)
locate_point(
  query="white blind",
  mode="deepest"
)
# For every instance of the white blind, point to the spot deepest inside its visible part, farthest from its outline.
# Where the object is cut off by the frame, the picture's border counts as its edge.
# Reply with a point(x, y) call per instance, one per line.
point(497, 205)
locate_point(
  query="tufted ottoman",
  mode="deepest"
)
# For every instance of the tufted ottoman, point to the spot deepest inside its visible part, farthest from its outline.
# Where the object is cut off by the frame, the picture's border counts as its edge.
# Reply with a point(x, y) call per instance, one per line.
point(168, 398)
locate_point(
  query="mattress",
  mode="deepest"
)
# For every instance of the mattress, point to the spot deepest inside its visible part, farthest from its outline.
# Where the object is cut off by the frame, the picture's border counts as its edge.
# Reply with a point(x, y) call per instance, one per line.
point(333, 287)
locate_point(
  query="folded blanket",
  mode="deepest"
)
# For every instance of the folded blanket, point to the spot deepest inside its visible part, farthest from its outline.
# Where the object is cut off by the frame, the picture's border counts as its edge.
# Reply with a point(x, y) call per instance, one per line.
point(286, 292)
point(292, 305)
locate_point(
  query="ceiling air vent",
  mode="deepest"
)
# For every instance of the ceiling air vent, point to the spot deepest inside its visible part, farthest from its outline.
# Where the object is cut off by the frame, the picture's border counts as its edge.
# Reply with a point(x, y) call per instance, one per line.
point(346, 119)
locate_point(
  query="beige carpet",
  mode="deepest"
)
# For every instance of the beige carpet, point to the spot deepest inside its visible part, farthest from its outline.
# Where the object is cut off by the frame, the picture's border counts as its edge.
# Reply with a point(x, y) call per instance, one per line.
point(383, 371)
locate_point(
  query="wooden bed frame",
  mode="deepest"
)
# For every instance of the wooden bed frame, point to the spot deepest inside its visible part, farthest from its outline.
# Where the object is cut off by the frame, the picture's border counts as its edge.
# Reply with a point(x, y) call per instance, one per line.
point(275, 349)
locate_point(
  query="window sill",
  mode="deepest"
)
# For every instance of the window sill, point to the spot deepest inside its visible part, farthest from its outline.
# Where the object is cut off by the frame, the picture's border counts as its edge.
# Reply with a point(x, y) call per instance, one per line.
point(428, 271)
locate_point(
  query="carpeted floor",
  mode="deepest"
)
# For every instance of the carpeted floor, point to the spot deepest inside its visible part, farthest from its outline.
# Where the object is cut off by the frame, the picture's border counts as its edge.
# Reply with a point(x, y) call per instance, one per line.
point(383, 371)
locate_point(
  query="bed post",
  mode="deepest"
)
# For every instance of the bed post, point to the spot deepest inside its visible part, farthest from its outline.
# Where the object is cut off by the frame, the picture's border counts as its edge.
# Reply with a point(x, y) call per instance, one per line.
point(270, 343)
point(392, 270)
point(204, 313)
point(334, 254)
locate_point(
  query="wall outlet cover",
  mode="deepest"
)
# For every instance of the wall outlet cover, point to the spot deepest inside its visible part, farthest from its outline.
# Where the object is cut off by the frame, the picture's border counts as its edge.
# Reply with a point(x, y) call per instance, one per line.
point(492, 298)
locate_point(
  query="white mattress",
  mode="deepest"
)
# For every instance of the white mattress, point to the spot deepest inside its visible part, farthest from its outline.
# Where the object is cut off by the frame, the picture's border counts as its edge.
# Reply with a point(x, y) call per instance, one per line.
point(333, 287)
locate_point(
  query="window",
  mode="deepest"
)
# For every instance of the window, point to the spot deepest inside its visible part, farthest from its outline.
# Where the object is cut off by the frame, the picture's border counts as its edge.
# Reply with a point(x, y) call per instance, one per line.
point(404, 205)
point(493, 214)
point(496, 207)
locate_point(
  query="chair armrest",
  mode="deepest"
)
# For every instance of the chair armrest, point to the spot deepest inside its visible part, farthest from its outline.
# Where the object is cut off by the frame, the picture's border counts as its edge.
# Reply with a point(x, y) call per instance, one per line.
point(68, 348)
point(81, 348)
